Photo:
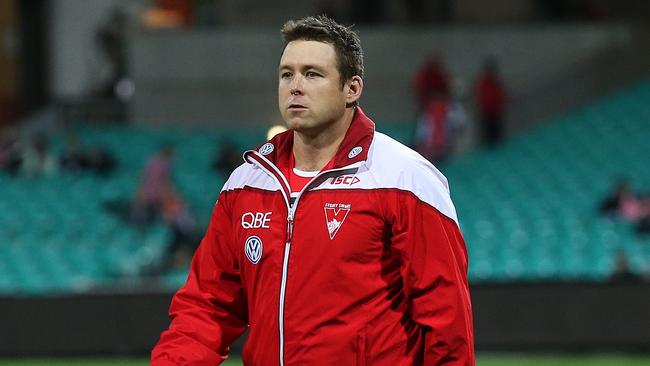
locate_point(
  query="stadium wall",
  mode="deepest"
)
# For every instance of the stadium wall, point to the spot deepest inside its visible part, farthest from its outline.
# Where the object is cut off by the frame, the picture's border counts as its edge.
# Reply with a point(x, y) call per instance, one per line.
point(213, 77)
point(540, 317)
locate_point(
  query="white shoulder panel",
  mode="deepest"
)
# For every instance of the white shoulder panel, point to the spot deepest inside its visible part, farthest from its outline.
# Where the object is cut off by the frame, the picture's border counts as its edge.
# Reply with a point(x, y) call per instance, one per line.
point(393, 165)
point(251, 176)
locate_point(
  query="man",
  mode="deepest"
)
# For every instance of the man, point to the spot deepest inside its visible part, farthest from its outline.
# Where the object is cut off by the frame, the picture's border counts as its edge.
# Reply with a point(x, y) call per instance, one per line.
point(333, 244)
point(431, 80)
point(156, 185)
point(491, 99)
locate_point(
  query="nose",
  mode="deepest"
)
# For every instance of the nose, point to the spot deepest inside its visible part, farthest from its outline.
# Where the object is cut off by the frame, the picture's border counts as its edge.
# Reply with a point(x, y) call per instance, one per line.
point(296, 85)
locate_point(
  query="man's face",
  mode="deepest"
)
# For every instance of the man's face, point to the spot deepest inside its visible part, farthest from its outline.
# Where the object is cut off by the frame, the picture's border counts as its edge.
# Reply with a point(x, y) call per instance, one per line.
point(310, 95)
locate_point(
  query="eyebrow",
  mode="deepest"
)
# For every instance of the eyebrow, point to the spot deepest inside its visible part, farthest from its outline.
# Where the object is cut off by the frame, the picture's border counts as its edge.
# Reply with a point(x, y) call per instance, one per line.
point(304, 67)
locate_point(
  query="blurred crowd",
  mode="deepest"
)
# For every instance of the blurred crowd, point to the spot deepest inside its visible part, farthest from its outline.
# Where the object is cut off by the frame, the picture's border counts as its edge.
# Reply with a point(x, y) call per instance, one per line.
point(33, 157)
point(441, 116)
point(155, 200)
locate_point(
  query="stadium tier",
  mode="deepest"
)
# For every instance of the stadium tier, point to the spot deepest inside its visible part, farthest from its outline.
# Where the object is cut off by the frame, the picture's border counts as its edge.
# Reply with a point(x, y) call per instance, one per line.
point(528, 210)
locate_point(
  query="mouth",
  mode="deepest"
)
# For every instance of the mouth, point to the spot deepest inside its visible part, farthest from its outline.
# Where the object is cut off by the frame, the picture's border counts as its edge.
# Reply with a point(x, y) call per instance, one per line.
point(296, 107)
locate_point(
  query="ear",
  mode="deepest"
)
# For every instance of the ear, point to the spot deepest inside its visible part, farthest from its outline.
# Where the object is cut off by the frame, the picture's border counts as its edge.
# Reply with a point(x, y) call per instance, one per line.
point(354, 89)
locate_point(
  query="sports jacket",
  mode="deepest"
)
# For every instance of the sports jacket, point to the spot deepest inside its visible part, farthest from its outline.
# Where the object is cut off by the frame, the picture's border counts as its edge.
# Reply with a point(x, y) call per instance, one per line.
point(368, 267)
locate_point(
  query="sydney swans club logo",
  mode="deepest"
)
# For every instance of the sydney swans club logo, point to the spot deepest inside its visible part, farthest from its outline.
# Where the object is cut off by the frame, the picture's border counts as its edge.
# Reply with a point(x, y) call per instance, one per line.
point(335, 214)
point(253, 249)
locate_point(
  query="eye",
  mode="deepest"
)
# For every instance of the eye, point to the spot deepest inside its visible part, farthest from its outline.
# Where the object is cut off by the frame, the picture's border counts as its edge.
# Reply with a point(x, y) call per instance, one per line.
point(285, 75)
point(312, 74)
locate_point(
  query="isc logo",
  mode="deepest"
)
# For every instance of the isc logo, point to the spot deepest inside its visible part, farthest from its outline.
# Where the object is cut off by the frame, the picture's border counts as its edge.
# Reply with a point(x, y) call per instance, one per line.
point(256, 220)
point(347, 180)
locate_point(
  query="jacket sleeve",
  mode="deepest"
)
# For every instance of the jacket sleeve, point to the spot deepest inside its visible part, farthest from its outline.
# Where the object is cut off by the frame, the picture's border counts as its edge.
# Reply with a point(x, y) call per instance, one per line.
point(433, 260)
point(209, 312)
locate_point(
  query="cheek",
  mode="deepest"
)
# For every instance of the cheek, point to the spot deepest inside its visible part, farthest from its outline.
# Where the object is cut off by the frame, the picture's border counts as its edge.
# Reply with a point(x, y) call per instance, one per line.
point(335, 101)
point(282, 98)
point(282, 91)
point(332, 95)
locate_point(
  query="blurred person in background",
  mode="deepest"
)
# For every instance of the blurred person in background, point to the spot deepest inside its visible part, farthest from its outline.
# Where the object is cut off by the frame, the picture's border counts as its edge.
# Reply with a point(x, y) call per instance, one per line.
point(491, 103)
point(72, 159)
point(438, 126)
point(431, 81)
point(227, 158)
point(99, 161)
point(155, 185)
point(37, 160)
point(619, 194)
point(185, 235)
point(628, 205)
point(622, 271)
point(329, 223)
point(9, 154)
point(111, 39)
point(76, 159)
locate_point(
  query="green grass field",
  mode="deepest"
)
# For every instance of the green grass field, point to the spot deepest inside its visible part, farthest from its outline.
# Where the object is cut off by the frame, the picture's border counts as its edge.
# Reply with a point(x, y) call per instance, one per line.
point(484, 360)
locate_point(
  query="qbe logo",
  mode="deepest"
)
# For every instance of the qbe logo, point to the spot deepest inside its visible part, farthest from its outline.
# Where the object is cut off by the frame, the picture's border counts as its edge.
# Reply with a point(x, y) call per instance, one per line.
point(253, 249)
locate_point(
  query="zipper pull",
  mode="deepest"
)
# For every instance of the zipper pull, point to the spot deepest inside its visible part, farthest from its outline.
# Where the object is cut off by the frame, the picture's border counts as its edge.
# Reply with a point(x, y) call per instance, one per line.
point(289, 227)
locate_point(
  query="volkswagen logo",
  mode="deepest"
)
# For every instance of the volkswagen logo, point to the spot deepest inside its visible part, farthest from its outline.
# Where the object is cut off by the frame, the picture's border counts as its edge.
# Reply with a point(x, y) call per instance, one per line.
point(267, 148)
point(253, 249)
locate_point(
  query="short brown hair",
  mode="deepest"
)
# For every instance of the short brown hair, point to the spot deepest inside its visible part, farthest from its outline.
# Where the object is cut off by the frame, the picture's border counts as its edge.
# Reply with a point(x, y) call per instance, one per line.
point(323, 29)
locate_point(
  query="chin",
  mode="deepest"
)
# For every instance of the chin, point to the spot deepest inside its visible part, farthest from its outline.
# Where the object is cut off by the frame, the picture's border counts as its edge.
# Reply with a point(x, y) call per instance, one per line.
point(297, 124)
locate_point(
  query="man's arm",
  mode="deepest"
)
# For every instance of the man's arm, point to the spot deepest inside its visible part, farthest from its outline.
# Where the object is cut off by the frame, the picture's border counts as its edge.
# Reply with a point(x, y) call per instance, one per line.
point(209, 312)
point(433, 260)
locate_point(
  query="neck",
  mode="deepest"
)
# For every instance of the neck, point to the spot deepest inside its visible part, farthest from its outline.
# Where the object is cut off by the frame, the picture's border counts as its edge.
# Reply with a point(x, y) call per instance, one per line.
point(313, 150)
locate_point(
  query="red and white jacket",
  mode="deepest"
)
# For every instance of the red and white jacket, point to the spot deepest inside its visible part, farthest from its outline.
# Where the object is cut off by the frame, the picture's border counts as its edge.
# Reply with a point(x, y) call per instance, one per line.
point(367, 267)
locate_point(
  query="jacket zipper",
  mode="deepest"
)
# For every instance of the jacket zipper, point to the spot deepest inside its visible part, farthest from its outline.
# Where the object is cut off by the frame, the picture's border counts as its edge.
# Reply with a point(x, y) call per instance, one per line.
point(287, 245)
point(283, 285)
point(287, 250)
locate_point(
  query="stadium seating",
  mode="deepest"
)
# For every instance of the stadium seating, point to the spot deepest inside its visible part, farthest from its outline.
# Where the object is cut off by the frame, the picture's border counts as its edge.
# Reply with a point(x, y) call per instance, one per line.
point(528, 210)
point(55, 236)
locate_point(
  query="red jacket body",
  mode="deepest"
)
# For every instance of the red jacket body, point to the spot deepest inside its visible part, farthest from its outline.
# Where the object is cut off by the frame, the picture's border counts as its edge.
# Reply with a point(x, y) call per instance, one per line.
point(367, 267)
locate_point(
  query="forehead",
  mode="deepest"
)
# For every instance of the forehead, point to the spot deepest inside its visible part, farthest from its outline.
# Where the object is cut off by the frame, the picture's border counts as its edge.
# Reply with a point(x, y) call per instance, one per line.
point(301, 52)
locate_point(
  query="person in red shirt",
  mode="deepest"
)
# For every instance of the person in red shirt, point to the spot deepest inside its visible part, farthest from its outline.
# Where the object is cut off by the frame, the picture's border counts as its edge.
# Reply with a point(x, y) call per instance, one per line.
point(333, 243)
point(491, 103)
point(433, 130)
point(431, 80)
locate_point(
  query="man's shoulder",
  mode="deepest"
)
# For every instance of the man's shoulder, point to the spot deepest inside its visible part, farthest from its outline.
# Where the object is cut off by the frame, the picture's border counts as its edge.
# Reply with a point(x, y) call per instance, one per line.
point(395, 165)
point(244, 175)
point(394, 160)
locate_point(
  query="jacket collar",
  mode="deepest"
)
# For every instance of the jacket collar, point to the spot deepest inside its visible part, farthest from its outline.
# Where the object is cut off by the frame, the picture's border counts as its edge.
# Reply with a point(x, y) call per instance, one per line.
point(353, 149)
